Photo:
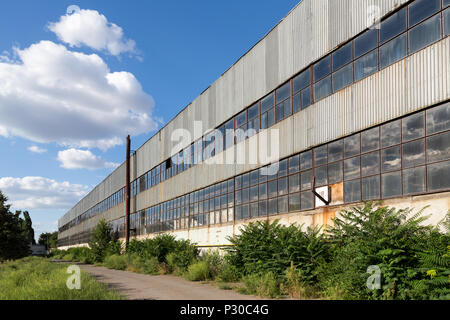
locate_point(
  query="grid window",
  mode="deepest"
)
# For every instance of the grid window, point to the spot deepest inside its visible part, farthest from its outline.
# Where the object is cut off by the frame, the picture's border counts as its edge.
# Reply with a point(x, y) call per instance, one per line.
point(393, 51)
point(253, 120)
point(437, 175)
point(366, 42)
point(370, 140)
point(438, 119)
point(414, 180)
point(322, 89)
point(413, 127)
point(391, 184)
point(391, 134)
point(294, 202)
point(438, 147)
point(283, 108)
point(343, 78)
point(352, 146)
point(343, 56)
point(371, 188)
point(425, 33)
point(366, 65)
point(335, 151)
point(322, 68)
point(413, 153)
point(370, 164)
point(393, 26)
point(267, 111)
point(422, 9)
point(302, 93)
point(335, 172)
point(446, 15)
point(352, 191)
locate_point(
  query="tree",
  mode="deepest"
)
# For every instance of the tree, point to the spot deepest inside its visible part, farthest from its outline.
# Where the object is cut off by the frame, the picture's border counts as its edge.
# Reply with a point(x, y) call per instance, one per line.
point(27, 227)
point(49, 239)
point(13, 242)
point(101, 239)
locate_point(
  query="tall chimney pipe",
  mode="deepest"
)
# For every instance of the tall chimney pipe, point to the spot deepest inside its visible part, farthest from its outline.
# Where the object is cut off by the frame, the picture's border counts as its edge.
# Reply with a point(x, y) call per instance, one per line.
point(127, 199)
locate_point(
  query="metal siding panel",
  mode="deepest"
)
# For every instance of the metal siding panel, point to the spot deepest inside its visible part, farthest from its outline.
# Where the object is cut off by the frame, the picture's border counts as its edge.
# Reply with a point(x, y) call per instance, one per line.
point(302, 35)
point(428, 75)
point(254, 74)
point(285, 49)
point(271, 55)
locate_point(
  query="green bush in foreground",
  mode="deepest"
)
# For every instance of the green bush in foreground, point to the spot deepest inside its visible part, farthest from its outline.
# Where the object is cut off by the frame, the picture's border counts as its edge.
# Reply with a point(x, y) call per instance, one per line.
point(199, 271)
point(38, 279)
point(266, 285)
point(116, 262)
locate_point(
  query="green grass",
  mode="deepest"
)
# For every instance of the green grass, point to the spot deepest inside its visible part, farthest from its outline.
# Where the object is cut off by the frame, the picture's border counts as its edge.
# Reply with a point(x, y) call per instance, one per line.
point(36, 278)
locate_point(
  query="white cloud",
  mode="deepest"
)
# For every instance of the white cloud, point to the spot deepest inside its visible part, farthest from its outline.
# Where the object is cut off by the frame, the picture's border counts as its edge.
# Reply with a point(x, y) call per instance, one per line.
point(36, 149)
point(92, 29)
point(56, 95)
point(41, 193)
point(82, 159)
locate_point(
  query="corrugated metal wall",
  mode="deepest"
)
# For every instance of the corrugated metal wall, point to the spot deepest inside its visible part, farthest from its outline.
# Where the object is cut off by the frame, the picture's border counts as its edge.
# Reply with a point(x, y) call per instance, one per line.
point(310, 31)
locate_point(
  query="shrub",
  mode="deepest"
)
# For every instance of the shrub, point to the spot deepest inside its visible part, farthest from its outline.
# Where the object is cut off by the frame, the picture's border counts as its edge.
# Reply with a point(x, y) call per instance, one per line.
point(101, 238)
point(367, 236)
point(263, 247)
point(296, 288)
point(199, 271)
point(266, 285)
point(116, 262)
point(229, 273)
point(151, 266)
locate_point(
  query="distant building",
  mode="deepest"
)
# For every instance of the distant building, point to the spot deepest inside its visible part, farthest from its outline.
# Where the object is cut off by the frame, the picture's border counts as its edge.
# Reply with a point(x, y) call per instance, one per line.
point(362, 108)
point(37, 250)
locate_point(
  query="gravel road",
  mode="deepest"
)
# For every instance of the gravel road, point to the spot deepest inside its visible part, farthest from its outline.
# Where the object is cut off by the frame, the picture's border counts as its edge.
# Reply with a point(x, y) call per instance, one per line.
point(137, 286)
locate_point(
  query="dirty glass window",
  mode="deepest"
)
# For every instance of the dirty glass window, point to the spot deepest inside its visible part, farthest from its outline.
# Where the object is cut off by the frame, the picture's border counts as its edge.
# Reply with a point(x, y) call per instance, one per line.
point(422, 9)
point(294, 183)
point(283, 168)
point(393, 26)
point(414, 180)
point(393, 51)
point(352, 191)
point(294, 202)
point(320, 155)
point(438, 147)
point(352, 168)
point(283, 108)
point(371, 188)
point(352, 146)
point(253, 119)
point(366, 42)
point(254, 177)
point(391, 133)
point(306, 180)
point(366, 65)
point(262, 208)
point(322, 89)
point(342, 78)
point(425, 33)
point(391, 184)
point(306, 160)
point(446, 15)
point(413, 153)
point(283, 204)
point(302, 80)
point(282, 186)
point(322, 68)
point(370, 164)
point(272, 188)
point(302, 93)
point(335, 172)
point(307, 200)
point(321, 176)
point(273, 208)
point(390, 159)
point(342, 56)
point(263, 191)
point(254, 193)
point(370, 140)
point(267, 112)
point(437, 175)
point(245, 195)
point(335, 151)
point(229, 134)
point(438, 119)
point(245, 180)
point(413, 127)
point(294, 164)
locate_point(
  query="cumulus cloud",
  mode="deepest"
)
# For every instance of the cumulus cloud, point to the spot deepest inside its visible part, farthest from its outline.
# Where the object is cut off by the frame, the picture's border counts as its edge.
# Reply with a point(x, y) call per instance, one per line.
point(36, 149)
point(92, 29)
point(41, 193)
point(83, 159)
point(52, 94)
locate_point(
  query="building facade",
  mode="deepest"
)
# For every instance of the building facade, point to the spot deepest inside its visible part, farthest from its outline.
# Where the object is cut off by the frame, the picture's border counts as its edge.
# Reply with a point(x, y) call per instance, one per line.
point(355, 94)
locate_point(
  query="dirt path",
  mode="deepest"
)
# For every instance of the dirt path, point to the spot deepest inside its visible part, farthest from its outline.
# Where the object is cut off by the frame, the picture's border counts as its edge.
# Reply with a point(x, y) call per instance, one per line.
point(139, 286)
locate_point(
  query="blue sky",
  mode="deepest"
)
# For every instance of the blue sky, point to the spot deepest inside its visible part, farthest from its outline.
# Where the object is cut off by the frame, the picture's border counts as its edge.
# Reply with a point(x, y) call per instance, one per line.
point(53, 151)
